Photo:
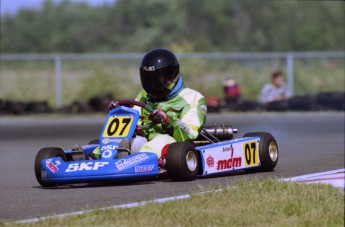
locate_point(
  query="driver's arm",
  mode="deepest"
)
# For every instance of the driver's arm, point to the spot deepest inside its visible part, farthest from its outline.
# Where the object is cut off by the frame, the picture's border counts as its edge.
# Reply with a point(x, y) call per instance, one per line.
point(188, 125)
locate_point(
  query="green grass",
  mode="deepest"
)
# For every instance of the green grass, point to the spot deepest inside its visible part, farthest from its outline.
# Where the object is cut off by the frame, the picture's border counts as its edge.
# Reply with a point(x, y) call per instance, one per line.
point(246, 203)
point(82, 79)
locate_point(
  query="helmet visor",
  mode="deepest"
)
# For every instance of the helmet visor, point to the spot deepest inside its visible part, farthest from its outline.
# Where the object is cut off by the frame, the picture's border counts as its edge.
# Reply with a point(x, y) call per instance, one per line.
point(155, 82)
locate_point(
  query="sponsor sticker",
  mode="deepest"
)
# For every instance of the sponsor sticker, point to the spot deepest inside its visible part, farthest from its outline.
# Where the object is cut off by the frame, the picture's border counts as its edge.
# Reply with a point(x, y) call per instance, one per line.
point(107, 154)
point(124, 163)
point(144, 168)
point(110, 140)
point(229, 163)
point(184, 127)
point(210, 161)
point(85, 166)
point(149, 68)
point(51, 166)
point(108, 147)
point(230, 148)
point(203, 109)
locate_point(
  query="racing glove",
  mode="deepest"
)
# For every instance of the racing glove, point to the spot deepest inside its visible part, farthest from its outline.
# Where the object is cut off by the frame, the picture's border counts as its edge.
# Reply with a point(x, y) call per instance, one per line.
point(158, 117)
point(113, 105)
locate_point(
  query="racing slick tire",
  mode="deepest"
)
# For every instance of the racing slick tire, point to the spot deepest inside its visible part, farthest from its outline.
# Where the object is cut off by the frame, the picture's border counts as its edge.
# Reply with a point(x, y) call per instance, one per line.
point(268, 151)
point(44, 153)
point(182, 162)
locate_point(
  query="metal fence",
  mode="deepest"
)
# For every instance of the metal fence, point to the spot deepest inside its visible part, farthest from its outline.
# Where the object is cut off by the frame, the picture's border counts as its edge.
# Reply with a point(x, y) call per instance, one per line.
point(288, 59)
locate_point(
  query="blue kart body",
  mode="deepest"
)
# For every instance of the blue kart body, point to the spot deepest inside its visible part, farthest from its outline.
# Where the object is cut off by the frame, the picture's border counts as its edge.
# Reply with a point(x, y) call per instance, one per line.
point(134, 166)
point(120, 124)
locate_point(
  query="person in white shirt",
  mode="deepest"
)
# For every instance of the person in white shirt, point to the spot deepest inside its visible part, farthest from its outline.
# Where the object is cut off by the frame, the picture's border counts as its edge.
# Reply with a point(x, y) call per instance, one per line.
point(276, 90)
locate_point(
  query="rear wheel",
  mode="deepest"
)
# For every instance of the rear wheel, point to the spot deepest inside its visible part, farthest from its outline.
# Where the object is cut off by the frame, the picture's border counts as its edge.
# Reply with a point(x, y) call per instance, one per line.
point(182, 161)
point(268, 151)
point(44, 153)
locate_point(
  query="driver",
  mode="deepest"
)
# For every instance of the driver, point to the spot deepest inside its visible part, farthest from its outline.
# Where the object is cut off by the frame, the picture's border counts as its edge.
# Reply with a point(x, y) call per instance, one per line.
point(179, 113)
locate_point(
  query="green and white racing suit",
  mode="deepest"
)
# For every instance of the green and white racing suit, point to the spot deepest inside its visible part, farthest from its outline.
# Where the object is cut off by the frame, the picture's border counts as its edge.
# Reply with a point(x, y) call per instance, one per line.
point(187, 115)
point(186, 110)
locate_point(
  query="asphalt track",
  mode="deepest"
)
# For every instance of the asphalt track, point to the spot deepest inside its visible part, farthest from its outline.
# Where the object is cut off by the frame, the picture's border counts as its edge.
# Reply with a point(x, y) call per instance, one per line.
point(308, 143)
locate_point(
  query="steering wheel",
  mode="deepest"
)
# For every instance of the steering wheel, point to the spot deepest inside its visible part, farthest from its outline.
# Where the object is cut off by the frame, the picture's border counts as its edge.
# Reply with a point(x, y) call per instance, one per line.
point(129, 103)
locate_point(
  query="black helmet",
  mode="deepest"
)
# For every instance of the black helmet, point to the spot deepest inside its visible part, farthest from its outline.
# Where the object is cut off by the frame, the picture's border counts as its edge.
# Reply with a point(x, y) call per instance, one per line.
point(159, 72)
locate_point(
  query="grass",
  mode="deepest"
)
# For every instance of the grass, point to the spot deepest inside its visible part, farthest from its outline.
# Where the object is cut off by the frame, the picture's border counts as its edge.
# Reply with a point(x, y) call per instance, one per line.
point(246, 203)
point(82, 79)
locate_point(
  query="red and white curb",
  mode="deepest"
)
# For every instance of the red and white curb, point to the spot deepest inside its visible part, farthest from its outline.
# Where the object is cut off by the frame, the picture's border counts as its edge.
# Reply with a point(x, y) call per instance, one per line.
point(335, 178)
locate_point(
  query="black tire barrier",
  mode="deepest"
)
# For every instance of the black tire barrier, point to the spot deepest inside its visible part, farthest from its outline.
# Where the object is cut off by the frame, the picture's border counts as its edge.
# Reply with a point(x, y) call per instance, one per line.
point(75, 107)
point(331, 100)
point(248, 105)
point(14, 107)
point(38, 107)
point(277, 106)
point(334, 101)
point(100, 103)
point(301, 103)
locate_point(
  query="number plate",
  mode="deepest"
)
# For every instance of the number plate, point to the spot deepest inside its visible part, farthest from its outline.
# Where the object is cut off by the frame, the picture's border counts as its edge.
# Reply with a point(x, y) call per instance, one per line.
point(118, 126)
point(251, 153)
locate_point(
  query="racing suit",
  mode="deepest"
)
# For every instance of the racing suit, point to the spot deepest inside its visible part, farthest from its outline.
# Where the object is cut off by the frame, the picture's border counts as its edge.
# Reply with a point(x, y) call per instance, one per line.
point(186, 110)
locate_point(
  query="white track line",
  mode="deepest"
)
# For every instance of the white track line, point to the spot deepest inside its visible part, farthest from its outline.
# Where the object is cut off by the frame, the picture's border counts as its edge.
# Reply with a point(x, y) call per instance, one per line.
point(334, 177)
point(128, 205)
point(314, 178)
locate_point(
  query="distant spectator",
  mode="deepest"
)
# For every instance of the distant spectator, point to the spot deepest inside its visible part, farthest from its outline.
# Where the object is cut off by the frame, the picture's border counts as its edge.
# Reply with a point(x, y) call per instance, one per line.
point(276, 90)
point(231, 91)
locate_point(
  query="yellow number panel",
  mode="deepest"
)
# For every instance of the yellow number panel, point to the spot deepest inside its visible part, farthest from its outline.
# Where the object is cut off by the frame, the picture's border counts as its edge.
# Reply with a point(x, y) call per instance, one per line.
point(251, 153)
point(118, 126)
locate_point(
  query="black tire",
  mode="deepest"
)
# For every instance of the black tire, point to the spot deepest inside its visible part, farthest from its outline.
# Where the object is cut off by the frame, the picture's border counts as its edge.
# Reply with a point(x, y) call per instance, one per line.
point(44, 153)
point(268, 151)
point(95, 141)
point(177, 166)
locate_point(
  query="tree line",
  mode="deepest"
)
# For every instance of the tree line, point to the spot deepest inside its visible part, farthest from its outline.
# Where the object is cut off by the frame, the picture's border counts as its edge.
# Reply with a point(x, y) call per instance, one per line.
point(181, 25)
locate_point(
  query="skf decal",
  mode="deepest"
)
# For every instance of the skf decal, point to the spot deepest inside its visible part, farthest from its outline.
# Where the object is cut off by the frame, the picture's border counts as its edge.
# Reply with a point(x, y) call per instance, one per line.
point(210, 161)
point(85, 166)
point(109, 147)
point(107, 150)
point(144, 168)
point(107, 154)
point(124, 163)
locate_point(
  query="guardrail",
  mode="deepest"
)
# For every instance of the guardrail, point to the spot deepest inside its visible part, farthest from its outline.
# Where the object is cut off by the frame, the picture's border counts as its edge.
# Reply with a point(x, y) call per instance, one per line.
point(57, 58)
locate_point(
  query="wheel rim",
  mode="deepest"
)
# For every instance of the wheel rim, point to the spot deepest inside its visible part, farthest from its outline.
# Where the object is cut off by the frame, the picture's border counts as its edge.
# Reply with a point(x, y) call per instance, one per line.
point(191, 161)
point(273, 151)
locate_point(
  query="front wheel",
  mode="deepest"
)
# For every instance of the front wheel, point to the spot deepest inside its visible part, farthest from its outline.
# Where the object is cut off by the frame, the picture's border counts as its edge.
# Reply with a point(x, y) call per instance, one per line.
point(182, 161)
point(45, 153)
point(268, 151)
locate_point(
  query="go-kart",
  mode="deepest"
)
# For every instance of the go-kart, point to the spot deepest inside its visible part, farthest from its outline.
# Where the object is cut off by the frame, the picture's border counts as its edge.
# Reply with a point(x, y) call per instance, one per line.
point(213, 152)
